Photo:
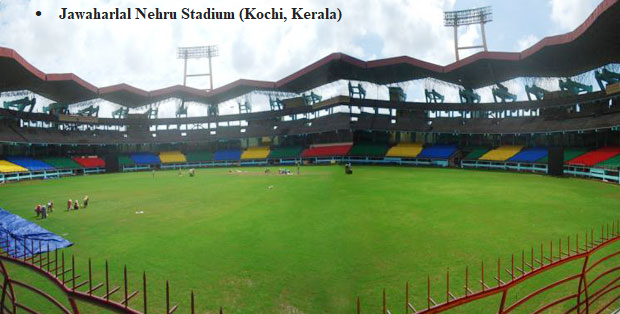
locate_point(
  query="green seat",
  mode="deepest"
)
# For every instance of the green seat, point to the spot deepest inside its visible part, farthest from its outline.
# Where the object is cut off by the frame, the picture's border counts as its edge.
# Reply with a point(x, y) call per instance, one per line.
point(62, 163)
point(369, 149)
point(199, 156)
point(475, 153)
point(569, 153)
point(286, 152)
point(124, 160)
point(613, 163)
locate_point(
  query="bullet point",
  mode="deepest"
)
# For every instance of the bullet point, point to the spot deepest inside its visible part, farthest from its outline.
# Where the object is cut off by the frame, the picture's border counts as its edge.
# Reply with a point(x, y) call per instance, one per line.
point(38, 13)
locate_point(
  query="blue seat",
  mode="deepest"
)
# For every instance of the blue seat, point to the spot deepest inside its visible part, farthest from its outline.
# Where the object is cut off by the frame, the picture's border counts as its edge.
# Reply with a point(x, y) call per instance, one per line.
point(437, 151)
point(228, 154)
point(30, 163)
point(530, 154)
point(145, 159)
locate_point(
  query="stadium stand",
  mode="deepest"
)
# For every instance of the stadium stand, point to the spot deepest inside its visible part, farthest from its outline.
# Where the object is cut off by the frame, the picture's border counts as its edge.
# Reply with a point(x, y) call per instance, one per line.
point(199, 156)
point(325, 150)
point(90, 162)
point(286, 152)
point(501, 153)
point(258, 152)
point(596, 156)
point(405, 150)
point(228, 154)
point(172, 157)
point(569, 153)
point(145, 159)
point(368, 149)
point(612, 163)
point(530, 154)
point(61, 163)
point(8, 167)
point(30, 163)
point(475, 153)
point(125, 161)
point(437, 151)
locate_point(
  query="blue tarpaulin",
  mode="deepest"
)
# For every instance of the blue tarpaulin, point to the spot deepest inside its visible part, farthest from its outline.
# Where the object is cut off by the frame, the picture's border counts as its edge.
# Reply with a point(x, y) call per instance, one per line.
point(19, 237)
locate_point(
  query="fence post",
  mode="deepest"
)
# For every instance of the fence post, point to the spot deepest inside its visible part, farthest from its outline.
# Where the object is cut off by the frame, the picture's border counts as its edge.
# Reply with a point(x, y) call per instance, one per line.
point(582, 280)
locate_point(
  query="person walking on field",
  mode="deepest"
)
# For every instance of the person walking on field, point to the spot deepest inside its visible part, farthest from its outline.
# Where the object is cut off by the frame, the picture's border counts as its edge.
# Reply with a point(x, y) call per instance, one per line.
point(43, 212)
point(76, 205)
point(38, 210)
point(69, 205)
point(50, 207)
point(85, 203)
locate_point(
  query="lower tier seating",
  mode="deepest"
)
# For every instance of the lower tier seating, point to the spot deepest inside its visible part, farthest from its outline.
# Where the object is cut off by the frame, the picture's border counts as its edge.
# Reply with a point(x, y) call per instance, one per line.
point(286, 152)
point(438, 151)
point(8, 167)
point(145, 159)
point(258, 152)
point(227, 154)
point(501, 153)
point(530, 154)
point(326, 150)
point(613, 163)
point(30, 163)
point(172, 157)
point(475, 153)
point(62, 163)
point(569, 153)
point(368, 150)
point(90, 162)
point(199, 156)
point(596, 156)
point(124, 160)
point(405, 150)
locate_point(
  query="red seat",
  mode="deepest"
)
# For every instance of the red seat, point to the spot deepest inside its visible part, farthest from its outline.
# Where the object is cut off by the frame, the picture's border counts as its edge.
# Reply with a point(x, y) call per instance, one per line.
point(594, 157)
point(90, 162)
point(327, 150)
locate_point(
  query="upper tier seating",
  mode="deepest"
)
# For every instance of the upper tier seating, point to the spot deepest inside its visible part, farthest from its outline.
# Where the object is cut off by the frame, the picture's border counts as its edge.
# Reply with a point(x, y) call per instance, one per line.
point(172, 157)
point(475, 153)
point(368, 150)
point(569, 153)
point(62, 163)
point(124, 160)
point(530, 154)
point(286, 152)
point(596, 156)
point(30, 163)
point(8, 167)
point(613, 163)
point(199, 156)
point(258, 152)
point(228, 154)
point(325, 150)
point(90, 162)
point(501, 153)
point(405, 150)
point(438, 151)
point(145, 159)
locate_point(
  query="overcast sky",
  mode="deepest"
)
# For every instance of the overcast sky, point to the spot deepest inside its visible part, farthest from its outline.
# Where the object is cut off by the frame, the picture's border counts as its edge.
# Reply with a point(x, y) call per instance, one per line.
point(143, 53)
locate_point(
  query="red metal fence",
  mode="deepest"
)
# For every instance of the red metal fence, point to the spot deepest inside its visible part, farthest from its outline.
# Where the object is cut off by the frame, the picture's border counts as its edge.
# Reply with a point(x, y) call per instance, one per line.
point(62, 273)
point(582, 300)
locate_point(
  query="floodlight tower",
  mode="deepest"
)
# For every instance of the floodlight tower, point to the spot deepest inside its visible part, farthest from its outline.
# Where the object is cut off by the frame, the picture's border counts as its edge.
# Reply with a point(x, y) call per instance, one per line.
point(468, 17)
point(200, 52)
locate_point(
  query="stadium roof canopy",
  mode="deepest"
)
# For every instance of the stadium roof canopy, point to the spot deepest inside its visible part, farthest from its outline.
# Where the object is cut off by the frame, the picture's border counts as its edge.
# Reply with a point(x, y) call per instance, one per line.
point(596, 42)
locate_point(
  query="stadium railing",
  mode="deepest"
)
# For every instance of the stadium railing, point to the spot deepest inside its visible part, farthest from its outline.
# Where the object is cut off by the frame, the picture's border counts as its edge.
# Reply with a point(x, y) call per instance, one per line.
point(596, 279)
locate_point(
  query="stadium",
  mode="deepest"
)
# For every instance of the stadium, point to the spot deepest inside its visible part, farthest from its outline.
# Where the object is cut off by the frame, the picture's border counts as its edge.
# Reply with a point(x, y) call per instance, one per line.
point(343, 196)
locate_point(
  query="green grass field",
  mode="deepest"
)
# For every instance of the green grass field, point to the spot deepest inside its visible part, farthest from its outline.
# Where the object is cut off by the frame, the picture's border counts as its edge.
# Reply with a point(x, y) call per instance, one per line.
point(310, 243)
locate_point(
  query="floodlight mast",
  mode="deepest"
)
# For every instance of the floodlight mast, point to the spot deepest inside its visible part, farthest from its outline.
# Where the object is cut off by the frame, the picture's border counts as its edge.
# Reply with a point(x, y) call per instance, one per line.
point(200, 52)
point(468, 17)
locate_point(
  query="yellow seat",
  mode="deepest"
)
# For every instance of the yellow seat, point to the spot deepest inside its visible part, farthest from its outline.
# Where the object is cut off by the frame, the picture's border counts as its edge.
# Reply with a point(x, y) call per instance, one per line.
point(172, 157)
point(404, 150)
point(8, 167)
point(501, 153)
point(258, 152)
